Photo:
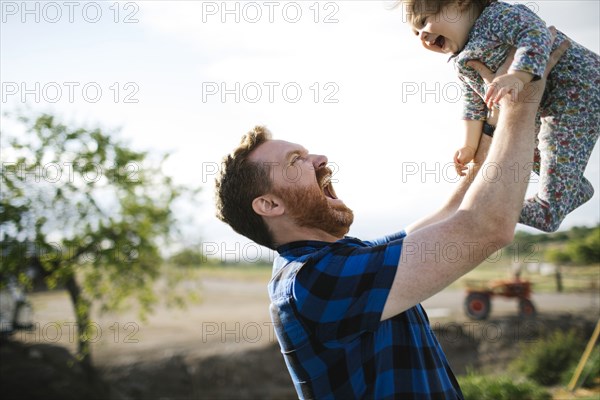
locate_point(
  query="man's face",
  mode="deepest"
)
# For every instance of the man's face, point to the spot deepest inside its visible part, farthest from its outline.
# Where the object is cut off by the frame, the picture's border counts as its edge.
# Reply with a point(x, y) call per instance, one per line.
point(302, 181)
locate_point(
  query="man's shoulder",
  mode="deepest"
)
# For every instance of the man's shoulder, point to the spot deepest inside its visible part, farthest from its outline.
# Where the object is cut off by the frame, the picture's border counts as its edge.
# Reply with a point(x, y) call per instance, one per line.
point(296, 254)
point(311, 250)
point(346, 259)
point(293, 256)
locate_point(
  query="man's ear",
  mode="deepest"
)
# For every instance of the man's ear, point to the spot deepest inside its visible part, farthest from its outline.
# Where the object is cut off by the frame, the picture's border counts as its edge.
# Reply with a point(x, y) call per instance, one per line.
point(268, 205)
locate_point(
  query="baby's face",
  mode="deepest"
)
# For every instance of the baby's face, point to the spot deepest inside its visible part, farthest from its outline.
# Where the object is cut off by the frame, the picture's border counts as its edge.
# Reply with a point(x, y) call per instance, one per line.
point(445, 32)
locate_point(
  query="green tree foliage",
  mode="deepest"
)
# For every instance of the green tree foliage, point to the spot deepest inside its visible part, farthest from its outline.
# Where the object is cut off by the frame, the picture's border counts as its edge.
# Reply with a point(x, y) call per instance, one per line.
point(582, 249)
point(87, 211)
point(557, 256)
point(576, 232)
point(188, 257)
point(585, 249)
point(578, 246)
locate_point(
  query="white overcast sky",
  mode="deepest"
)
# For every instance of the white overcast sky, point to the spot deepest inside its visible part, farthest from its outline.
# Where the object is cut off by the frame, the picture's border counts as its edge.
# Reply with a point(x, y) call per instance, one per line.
point(344, 78)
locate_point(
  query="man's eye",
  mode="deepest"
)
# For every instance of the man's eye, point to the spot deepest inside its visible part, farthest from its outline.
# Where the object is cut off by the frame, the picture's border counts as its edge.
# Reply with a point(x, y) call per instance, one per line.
point(423, 21)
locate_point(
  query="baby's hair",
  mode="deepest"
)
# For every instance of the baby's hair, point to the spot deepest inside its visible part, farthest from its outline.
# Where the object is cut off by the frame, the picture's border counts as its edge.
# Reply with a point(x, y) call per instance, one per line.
point(416, 9)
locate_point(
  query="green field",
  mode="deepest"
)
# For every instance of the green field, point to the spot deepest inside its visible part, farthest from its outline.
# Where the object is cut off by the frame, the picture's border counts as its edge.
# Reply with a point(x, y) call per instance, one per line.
point(574, 278)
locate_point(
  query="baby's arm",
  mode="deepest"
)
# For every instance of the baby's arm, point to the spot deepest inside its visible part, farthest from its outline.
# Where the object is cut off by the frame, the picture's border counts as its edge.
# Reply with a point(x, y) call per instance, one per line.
point(474, 113)
point(466, 153)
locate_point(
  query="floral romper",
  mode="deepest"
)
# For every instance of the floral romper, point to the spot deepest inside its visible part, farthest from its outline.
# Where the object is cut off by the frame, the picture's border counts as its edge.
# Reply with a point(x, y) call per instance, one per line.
point(568, 118)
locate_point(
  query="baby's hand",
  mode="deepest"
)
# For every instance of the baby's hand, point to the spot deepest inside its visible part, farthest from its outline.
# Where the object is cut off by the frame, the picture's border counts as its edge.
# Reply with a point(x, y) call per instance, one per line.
point(462, 157)
point(510, 83)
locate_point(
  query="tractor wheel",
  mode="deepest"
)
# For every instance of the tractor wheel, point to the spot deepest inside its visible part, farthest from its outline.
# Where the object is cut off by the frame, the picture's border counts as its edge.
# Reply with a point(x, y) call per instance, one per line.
point(526, 308)
point(478, 306)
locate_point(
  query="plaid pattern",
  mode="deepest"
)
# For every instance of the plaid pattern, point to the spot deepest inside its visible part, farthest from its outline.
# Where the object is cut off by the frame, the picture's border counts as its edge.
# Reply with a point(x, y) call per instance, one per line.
point(326, 305)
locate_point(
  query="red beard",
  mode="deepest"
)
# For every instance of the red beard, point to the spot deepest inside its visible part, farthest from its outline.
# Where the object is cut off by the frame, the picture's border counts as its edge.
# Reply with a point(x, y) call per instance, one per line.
point(309, 208)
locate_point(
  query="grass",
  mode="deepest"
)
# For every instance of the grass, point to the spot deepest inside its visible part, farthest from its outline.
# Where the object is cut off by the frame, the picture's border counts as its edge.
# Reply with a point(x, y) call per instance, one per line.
point(488, 387)
point(579, 394)
point(548, 360)
point(259, 272)
point(575, 279)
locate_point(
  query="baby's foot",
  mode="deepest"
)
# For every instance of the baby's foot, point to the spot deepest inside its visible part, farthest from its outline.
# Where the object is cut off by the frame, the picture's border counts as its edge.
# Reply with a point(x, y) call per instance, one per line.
point(584, 193)
point(547, 217)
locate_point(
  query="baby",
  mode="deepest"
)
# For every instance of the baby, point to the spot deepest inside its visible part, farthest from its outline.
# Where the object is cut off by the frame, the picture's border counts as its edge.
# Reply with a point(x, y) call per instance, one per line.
point(568, 118)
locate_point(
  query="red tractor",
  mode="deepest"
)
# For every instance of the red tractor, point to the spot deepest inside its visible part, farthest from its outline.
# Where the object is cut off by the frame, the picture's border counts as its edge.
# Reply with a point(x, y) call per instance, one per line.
point(479, 295)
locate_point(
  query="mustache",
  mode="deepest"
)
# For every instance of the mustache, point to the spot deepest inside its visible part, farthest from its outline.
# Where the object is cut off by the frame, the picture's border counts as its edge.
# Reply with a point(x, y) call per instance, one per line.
point(323, 175)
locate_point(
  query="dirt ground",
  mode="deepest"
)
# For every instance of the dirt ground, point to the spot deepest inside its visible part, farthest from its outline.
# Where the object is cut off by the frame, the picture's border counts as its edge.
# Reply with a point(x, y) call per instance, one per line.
point(224, 347)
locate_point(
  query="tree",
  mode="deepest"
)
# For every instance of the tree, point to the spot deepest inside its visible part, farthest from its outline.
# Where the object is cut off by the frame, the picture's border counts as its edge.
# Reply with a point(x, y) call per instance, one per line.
point(586, 250)
point(557, 256)
point(188, 257)
point(583, 248)
point(87, 211)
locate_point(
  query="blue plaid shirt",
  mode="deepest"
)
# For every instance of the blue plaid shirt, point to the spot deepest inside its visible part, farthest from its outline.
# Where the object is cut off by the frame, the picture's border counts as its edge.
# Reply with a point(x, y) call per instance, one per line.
point(326, 305)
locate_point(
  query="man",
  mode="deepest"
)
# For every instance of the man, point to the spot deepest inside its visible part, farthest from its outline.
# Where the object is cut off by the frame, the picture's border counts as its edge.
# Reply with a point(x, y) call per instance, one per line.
point(346, 312)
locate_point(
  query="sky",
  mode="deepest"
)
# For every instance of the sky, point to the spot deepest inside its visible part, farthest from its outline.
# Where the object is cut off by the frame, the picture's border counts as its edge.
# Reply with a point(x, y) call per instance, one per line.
point(346, 79)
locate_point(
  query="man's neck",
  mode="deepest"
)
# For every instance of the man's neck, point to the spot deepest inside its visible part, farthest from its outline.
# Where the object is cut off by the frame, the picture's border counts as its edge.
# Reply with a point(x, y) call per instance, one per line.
point(296, 233)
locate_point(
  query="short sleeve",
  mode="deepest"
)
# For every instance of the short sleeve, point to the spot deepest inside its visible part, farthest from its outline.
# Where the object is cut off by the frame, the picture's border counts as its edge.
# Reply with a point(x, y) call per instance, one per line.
point(386, 239)
point(341, 295)
point(474, 107)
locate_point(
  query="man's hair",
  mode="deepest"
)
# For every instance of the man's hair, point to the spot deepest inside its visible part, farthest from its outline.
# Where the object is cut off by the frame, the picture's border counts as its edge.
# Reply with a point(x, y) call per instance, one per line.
point(415, 9)
point(241, 181)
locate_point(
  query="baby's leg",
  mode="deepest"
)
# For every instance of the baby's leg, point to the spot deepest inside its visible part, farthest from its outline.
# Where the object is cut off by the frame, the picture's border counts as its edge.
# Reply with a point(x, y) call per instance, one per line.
point(565, 145)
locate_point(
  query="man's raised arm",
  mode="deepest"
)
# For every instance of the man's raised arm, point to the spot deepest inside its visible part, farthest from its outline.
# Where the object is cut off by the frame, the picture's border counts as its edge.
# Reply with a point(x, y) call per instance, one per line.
point(484, 220)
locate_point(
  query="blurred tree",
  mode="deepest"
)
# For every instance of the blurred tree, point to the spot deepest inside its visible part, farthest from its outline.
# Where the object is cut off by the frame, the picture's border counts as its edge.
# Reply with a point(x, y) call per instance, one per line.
point(557, 256)
point(578, 232)
point(587, 250)
point(188, 257)
point(89, 212)
point(583, 248)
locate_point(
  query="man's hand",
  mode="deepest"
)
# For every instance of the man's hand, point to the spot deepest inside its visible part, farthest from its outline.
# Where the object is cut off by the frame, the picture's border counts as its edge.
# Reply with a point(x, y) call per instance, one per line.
point(507, 84)
point(534, 93)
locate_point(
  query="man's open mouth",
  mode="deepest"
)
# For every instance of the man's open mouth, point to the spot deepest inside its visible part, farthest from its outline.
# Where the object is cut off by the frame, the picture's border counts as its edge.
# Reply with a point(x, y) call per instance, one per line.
point(327, 187)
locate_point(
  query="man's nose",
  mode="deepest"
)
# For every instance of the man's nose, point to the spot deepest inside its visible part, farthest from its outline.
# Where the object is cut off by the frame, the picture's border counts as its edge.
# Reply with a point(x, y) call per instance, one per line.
point(319, 161)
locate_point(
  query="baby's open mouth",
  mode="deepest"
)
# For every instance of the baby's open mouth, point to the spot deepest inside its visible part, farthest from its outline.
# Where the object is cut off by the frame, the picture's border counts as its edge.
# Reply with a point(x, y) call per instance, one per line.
point(440, 41)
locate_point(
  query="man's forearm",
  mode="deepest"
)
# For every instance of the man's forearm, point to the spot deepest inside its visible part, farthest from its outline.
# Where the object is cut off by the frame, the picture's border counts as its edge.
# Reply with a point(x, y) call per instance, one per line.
point(457, 196)
point(496, 196)
point(484, 221)
point(499, 170)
